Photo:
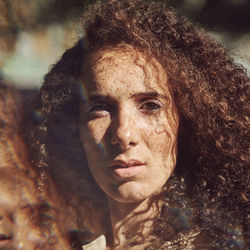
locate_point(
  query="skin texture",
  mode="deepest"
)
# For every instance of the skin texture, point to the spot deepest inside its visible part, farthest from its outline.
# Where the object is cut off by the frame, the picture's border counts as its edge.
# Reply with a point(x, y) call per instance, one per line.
point(208, 189)
point(128, 116)
point(121, 116)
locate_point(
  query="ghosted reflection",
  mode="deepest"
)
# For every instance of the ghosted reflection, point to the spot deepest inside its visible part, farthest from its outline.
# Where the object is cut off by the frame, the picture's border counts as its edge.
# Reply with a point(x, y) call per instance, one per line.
point(31, 216)
point(137, 139)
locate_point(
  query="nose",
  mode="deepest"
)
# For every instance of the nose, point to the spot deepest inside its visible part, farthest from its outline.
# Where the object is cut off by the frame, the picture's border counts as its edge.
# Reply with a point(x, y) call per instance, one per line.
point(124, 130)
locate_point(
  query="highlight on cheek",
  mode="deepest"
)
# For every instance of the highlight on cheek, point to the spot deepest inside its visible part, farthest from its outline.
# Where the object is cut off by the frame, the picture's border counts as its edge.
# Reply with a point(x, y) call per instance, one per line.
point(90, 148)
point(92, 132)
point(97, 128)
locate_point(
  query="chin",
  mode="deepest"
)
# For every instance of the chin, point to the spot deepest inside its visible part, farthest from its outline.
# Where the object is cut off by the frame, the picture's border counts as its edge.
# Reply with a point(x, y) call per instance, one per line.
point(131, 192)
point(129, 199)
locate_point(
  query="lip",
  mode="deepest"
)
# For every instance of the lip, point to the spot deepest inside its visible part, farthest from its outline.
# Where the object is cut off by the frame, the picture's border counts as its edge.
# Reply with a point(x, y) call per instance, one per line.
point(127, 169)
point(4, 240)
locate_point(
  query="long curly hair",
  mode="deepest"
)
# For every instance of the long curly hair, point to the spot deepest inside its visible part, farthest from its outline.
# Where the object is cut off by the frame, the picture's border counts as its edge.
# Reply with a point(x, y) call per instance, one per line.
point(210, 184)
point(29, 217)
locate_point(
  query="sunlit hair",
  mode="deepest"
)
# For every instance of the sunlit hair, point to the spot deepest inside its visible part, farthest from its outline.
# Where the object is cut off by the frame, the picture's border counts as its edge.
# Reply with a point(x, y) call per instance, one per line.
point(29, 216)
point(208, 189)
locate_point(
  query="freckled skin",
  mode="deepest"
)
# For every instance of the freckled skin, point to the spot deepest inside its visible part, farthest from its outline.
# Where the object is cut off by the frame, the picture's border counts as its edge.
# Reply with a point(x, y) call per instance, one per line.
point(122, 123)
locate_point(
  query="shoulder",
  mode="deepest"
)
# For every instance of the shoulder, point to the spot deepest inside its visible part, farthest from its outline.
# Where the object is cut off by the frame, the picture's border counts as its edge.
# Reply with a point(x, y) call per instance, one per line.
point(97, 244)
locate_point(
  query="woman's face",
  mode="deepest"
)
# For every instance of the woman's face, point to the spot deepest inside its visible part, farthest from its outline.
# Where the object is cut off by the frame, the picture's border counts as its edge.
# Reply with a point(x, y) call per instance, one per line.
point(18, 229)
point(128, 124)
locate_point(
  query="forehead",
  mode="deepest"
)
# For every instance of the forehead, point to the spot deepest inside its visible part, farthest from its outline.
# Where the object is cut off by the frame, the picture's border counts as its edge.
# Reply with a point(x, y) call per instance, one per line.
point(126, 67)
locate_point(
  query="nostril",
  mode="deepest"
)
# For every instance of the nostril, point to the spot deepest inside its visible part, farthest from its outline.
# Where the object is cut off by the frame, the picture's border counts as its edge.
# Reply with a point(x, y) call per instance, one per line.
point(132, 143)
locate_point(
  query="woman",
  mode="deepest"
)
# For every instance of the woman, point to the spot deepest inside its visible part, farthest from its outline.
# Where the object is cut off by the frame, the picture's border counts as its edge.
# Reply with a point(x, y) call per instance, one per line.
point(29, 217)
point(160, 110)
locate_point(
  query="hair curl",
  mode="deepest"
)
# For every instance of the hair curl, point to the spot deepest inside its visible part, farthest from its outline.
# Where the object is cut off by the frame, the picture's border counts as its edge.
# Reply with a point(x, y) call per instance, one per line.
point(211, 95)
point(29, 217)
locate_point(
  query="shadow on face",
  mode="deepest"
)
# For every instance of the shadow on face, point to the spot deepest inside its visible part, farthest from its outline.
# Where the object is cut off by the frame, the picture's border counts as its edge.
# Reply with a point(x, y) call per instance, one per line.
point(128, 123)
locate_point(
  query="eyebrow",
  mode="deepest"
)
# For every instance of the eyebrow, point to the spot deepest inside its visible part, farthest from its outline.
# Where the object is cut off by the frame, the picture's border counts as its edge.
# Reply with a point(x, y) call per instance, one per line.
point(96, 97)
point(149, 94)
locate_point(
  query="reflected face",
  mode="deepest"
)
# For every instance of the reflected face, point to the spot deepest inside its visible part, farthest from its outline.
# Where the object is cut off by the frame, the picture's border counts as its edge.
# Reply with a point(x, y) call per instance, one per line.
point(128, 124)
point(25, 222)
point(16, 228)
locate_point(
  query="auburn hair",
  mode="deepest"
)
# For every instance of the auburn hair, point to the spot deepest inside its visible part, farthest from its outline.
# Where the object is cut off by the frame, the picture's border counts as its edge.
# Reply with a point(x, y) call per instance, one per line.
point(211, 93)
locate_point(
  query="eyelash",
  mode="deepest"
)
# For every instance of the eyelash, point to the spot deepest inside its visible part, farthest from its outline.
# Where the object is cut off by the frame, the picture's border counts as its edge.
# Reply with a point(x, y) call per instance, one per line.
point(147, 106)
point(152, 106)
point(100, 107)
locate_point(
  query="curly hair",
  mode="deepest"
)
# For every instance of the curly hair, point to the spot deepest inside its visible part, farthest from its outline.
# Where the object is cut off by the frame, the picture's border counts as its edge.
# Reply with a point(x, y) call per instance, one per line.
point(210, 90)
point(29, 217)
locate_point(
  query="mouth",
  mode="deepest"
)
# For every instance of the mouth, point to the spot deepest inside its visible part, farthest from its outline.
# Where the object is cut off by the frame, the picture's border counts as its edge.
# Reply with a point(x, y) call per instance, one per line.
point(4, 240)
point(127, 169)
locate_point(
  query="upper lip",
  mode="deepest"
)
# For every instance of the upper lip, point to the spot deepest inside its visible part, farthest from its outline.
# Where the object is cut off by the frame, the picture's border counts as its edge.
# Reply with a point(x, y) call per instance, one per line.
point(126, 164)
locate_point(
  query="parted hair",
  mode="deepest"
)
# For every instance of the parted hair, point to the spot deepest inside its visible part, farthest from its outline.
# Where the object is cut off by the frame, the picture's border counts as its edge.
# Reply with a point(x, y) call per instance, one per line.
point(211, 92)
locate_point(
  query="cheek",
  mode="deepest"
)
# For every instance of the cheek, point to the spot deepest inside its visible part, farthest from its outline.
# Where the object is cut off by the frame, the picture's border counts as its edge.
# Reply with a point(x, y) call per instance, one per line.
point(92, 132)
point(97, 129)
point(161, 132)
point(161, 141)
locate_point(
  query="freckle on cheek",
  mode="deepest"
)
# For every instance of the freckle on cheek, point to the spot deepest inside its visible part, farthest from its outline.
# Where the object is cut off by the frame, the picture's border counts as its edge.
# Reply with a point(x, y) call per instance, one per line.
point(161, 129)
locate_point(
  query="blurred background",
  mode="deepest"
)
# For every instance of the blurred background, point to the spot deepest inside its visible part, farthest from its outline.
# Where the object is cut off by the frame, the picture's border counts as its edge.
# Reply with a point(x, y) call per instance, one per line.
point(34, 34)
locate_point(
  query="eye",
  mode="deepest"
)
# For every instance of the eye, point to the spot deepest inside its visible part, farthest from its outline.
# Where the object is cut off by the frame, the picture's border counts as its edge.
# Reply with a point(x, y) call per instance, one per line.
point(99, 109)
point(150, 106)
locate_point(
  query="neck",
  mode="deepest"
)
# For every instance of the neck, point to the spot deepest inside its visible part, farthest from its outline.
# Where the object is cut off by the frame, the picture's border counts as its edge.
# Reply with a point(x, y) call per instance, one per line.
point(132, 223)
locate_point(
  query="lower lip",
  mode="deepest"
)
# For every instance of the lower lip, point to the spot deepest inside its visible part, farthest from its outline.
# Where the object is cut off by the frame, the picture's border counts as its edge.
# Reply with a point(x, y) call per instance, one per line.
point(4, 243)
point(129, 171)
